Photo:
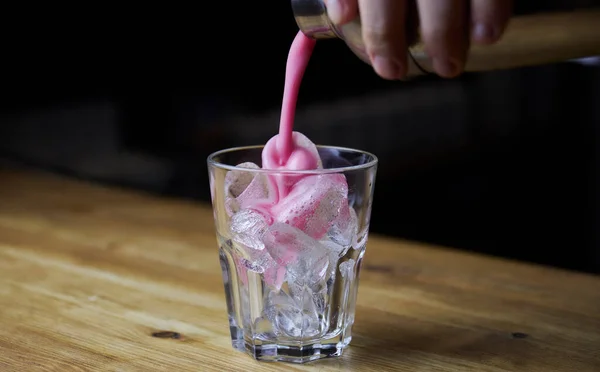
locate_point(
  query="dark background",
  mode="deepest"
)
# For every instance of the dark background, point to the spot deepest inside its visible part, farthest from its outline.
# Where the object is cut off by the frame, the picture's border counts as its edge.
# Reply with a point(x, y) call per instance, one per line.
point(503, 163)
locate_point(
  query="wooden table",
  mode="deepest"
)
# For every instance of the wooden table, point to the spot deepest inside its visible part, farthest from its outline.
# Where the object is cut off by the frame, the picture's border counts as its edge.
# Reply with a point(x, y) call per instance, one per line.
point(99, 279)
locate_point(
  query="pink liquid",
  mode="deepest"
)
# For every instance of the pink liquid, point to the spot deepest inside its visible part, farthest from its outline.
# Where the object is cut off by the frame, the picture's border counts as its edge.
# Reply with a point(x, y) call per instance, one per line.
point(284, 152)
point(307, 203)
point(299, 55)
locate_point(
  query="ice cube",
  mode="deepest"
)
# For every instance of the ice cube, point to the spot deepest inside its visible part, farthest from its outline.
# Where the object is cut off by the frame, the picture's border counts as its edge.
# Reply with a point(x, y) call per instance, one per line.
point(257, 191)
point(305, 259)
point(344, 229)
point(253, 265)
point(293, 318)
point(274, 275)
point(313, 203)
point(248, 226)
point(309, 270)
point(236, 181)
point(321, 300)
point(283, 242)
point(333, 199)
point(335, 252)
point(317, 296)
point(244, 189)
point(310, 312)
point(334, 248)
point(259, 262)
point(255, 260)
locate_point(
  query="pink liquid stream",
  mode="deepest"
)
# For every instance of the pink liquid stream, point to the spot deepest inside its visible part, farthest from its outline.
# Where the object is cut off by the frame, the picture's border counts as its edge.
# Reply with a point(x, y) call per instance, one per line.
point(285, 151)
point(290, 195)
point(298, 58)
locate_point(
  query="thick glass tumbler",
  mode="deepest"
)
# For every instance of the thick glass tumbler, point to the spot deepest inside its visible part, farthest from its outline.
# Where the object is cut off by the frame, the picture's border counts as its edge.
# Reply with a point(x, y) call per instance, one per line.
point(291, 259)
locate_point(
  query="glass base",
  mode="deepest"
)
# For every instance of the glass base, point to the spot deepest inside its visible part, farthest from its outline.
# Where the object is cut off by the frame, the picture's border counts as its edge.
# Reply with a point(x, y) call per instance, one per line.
point(269, 352)
point(296, 323)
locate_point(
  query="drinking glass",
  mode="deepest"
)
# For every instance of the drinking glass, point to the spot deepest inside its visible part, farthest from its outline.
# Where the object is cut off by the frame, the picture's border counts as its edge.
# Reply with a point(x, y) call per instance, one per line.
point(291, 262)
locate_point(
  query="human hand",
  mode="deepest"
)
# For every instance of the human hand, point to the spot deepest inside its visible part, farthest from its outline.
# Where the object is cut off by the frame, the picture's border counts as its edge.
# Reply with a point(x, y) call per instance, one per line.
point(446, 27)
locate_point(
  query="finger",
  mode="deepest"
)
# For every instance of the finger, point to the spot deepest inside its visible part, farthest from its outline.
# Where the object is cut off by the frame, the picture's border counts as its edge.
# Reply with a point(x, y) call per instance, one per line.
point(489, 19)
point(445, 32)
point(383, 31)
point(342, 11)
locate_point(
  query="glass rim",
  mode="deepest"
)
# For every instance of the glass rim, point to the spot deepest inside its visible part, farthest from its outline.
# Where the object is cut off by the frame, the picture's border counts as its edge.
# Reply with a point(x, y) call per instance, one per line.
point(352, 168)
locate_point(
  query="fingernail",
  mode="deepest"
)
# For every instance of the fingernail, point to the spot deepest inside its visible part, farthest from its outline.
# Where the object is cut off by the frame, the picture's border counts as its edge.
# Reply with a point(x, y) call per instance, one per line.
point(335, 11)
point(445, 67)
point(387, 68)
point(483, 33)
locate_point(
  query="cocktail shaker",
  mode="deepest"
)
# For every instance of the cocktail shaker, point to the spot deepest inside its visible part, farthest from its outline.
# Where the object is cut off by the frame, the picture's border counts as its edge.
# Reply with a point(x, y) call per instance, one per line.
point(532, 39)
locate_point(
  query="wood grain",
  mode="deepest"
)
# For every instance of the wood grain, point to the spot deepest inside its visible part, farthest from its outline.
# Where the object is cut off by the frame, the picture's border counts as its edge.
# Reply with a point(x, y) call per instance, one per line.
point(99, 279)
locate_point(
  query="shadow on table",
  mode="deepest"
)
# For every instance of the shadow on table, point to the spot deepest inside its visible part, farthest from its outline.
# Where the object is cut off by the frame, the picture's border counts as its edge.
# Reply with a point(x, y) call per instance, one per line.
point(397, 342)
point(418, 336)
